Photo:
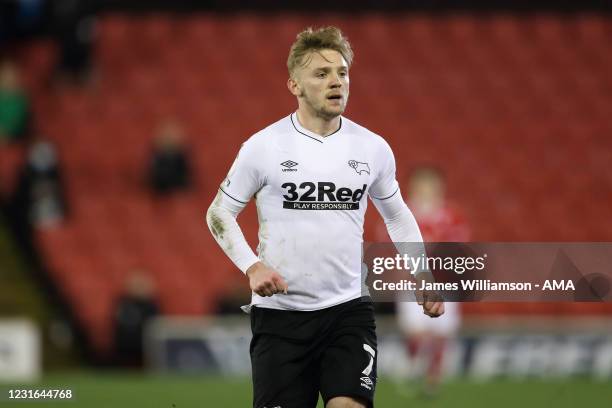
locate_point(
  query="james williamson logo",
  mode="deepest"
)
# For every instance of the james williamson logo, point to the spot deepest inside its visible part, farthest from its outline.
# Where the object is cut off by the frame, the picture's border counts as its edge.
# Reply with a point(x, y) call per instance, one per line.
point(360, 168)
point(289, 165)
point(322, 195)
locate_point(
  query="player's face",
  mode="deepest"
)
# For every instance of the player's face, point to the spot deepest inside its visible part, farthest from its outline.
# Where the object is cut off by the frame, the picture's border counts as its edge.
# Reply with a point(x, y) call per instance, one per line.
point(426, 191)
point(322, 83)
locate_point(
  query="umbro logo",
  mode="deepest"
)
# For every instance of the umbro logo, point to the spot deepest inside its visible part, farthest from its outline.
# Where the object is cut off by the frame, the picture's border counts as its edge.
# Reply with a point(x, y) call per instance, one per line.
point(367, 380)
point(366, 383)
point(359, 167)
point(289, 165)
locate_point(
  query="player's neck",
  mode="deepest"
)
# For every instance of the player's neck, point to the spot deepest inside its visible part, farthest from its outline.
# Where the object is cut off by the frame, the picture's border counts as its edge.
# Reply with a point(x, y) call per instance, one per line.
point(321, 126)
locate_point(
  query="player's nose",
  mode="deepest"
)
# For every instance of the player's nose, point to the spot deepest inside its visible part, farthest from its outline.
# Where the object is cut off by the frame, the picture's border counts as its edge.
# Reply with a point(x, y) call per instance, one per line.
point(335, 81)
point(335, 84)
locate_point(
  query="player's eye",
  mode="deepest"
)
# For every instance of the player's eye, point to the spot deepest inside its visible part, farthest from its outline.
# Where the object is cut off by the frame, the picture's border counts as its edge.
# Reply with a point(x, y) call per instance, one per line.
point(321, 75)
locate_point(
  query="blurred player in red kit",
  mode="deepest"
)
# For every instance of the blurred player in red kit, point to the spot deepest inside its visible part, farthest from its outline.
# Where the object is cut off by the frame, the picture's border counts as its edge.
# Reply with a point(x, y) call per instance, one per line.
point(426, 338)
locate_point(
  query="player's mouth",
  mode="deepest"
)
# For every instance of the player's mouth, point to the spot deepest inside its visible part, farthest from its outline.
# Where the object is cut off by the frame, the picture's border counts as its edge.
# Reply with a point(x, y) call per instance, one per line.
point(335, 98)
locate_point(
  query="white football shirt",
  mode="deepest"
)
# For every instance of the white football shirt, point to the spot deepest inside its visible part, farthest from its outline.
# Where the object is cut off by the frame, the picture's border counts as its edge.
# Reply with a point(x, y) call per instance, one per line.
point(311, 194)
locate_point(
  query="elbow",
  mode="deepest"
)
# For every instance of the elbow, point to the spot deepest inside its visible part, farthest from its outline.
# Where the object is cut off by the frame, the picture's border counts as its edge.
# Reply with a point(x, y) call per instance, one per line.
point(400, 214)
point(214, 220)
point(209, 214)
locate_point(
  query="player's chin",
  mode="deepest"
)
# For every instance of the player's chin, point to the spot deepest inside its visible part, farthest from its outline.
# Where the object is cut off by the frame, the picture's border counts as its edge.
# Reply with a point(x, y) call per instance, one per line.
point(333, 111)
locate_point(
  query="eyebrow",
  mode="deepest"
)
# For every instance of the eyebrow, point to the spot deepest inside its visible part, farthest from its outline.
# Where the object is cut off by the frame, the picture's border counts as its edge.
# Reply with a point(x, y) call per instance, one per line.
point(327, 69)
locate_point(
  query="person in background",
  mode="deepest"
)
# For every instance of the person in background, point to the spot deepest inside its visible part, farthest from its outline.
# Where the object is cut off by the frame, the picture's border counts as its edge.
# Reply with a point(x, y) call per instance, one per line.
point(75, 35)
point(14, 104)
point(133, 310)
point(39, 200)
point(426, 338)
point(439, 220)
point(170, 168)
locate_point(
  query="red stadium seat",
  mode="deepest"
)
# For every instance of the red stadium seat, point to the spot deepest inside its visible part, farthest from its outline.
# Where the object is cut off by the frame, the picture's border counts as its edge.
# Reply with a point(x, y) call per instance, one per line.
point(514, 110)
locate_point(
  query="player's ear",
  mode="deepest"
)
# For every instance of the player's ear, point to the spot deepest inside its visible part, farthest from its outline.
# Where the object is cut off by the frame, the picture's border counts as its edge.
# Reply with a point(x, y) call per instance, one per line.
point(294, 87)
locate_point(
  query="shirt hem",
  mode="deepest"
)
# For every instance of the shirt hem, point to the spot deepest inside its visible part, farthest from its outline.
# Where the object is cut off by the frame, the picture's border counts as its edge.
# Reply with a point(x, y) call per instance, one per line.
point(275, 306)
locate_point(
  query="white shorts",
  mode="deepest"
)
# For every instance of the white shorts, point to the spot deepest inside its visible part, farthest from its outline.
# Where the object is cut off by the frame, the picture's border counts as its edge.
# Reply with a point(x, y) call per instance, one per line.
point(411, 319)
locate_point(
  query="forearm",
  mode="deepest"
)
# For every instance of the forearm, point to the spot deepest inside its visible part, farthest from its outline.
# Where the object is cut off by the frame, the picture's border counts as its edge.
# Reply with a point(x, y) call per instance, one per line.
point(401, 226)
point(221, 219)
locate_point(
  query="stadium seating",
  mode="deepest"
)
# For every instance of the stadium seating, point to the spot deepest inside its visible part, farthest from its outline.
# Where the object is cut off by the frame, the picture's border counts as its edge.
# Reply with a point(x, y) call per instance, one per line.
point(515, 110)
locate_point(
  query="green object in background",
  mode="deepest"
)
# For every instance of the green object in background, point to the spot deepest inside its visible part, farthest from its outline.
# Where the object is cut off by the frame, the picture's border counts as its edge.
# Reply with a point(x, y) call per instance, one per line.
point(115, 389)
point(13, 114)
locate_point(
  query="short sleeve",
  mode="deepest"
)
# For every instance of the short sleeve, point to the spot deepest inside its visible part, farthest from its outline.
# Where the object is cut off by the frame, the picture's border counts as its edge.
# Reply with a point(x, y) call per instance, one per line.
point(244, 177)
point(385, 185)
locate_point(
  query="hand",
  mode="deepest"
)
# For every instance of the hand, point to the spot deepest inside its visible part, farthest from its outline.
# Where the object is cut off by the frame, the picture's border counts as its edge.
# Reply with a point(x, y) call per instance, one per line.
point(265, 281)
point(433, 305)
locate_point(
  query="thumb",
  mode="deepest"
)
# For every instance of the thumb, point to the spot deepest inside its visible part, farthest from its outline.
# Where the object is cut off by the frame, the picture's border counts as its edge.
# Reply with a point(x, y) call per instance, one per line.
point(283, 285)
point(421, 297)
point(280, 283)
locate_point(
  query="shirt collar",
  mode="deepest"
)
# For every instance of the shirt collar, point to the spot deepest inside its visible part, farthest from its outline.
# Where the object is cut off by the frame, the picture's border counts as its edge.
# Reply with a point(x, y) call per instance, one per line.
point(301, 129)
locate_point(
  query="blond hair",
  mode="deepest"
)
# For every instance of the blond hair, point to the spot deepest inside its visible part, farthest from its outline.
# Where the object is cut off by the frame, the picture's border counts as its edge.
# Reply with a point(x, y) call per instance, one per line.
point(309, 40)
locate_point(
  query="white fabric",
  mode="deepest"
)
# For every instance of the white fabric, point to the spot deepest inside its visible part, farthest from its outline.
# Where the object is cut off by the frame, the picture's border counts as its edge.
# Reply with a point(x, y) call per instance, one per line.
point(221, 220)
point(400, 222)
point(412, 320)
point(311, 194)
point(402, 228)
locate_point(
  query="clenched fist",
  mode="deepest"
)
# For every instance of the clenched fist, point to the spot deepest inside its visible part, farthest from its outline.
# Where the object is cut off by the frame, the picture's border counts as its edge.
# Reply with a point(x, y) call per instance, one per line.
point(433, 305)
point(265, 281)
